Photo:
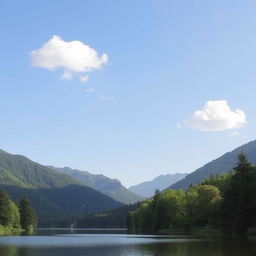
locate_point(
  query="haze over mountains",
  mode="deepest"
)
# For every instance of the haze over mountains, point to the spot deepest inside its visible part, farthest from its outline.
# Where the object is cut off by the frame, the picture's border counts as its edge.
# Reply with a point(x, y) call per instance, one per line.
point(148, 188)
point(110, 187)
point(223, 164)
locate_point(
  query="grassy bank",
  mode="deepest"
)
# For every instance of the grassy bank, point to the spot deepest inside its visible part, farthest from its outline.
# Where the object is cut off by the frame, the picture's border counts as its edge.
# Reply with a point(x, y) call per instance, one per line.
point(7, 231)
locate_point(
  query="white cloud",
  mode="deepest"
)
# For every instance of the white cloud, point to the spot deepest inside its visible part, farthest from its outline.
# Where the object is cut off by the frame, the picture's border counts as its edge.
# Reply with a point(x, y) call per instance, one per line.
point(73, 57)
point(216, 116)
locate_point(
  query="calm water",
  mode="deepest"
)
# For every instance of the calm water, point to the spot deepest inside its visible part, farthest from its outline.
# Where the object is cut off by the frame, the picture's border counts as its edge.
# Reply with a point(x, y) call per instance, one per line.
point(61, 243)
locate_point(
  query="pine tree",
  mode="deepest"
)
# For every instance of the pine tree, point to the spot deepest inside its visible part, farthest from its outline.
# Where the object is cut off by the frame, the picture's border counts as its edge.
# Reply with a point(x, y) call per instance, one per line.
point(239, 198)
point(28, 218)
point(5, 209)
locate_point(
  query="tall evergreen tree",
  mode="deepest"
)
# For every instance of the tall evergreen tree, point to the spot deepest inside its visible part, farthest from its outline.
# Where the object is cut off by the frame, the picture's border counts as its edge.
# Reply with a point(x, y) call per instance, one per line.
point(28, 219)
point(5, 209)
point(239, 199)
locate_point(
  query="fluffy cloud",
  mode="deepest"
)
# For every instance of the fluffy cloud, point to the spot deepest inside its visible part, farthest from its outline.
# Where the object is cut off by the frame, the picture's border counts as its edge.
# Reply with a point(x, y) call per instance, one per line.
point(73, 57)
point(216, 116)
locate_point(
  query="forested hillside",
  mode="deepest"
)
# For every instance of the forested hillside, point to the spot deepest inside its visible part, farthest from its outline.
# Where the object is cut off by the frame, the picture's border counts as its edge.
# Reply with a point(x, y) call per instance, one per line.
point(110, 187)
point(51, 193)
point(222, 164)
point(116, 218)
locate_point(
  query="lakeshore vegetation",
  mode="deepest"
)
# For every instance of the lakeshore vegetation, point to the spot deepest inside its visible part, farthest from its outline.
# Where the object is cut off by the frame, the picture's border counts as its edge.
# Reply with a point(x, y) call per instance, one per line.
point(225, 202)
point(16, 217)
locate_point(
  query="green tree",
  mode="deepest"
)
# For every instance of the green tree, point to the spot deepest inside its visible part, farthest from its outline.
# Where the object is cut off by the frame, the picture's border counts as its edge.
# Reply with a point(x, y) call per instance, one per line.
point(15, 216)
point(28, 219)
point(203, 202)
point(238, 208)
point(5, 209)
point(191, 198)
point(166, 210)
point(144, 218)
point(220, 181)
point(171, 209)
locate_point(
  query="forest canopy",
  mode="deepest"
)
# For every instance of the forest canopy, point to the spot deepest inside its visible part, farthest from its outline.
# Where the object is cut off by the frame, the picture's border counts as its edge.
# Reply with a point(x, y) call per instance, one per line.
point(16, 217)
point(226, 202)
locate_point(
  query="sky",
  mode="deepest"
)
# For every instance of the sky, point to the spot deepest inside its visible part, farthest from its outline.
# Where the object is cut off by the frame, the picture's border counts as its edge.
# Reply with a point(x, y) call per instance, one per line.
point(129, 89)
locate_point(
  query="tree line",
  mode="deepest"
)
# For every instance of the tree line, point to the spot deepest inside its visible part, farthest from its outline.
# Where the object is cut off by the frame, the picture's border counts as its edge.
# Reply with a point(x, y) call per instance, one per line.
point(16, 217)
point(110, 219)
point(226, 202)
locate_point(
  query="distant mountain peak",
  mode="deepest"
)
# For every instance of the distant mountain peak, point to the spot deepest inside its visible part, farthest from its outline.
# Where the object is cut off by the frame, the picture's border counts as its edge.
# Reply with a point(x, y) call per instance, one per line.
point(161, 182)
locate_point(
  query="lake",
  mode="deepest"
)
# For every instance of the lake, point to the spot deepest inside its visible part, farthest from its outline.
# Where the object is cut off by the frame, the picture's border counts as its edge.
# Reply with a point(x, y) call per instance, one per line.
point(91, 243)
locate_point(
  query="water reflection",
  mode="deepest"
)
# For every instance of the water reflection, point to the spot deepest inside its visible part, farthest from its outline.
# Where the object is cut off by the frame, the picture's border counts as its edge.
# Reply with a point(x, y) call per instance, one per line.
point(154, 247)
point(96, 251)
point(8, 251)
point(209, 248)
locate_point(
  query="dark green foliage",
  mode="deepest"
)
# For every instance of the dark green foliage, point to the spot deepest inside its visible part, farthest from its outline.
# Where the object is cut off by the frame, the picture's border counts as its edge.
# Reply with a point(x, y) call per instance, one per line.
point(111, 219)
point(80, 200)
point(221, 165)
point(116, 218)
point(5, 209)
point(64, 202)
point(28, 219)
point(9, 215)
point(239, 204)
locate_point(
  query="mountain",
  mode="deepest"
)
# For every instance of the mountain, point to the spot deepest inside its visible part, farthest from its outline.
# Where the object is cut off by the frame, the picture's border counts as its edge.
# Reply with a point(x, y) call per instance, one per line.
point(110, 187)
point(220, 165)
point(147, 189)
point(52, 194)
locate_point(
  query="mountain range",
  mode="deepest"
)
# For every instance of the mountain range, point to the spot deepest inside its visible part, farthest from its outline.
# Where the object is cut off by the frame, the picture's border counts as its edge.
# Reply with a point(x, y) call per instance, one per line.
point(67, 193)
point(110, 187)
point(52, 194)
point(148, 188)
point(223, 164)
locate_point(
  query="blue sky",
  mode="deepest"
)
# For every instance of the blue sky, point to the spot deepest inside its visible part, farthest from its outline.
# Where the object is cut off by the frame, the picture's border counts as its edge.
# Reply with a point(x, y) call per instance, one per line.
point(133, 119)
